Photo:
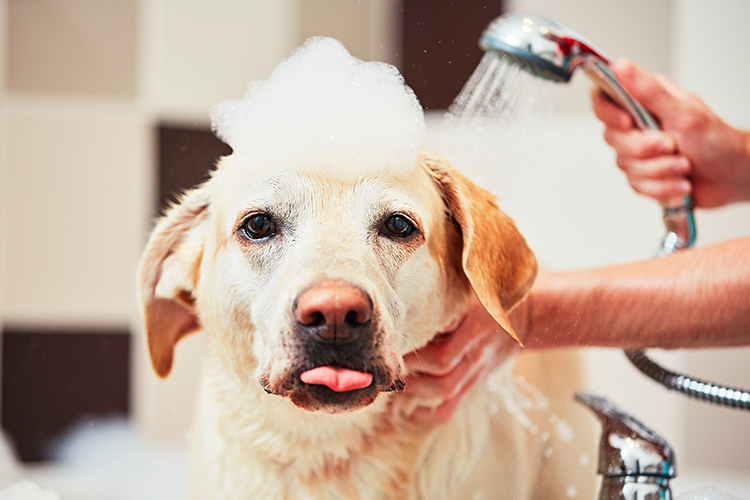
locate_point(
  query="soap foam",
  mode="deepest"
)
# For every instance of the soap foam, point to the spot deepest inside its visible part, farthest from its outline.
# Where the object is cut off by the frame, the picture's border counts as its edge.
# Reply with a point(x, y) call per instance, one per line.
point(26, 490)
point(709, 493)
point(322, 106)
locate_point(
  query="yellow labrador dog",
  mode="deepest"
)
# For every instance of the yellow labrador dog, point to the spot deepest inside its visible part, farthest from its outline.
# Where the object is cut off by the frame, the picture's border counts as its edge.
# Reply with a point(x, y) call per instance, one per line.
point(311, 282)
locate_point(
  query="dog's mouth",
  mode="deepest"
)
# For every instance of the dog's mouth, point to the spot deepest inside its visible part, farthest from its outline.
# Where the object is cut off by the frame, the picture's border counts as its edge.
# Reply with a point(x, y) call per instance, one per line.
point(337, 379)
point(333, 388)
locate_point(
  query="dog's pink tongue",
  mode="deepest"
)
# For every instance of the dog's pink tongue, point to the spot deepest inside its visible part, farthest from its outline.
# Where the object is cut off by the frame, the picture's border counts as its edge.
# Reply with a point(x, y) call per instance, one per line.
point(337, 379)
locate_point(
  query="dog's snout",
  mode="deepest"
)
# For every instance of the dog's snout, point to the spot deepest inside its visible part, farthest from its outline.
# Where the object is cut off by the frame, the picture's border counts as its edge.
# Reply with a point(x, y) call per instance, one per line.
point(333, 311)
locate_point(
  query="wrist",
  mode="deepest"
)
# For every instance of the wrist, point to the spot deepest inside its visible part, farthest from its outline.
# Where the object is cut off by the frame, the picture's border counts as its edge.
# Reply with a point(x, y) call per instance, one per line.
point(743, 184)
point(536, 313)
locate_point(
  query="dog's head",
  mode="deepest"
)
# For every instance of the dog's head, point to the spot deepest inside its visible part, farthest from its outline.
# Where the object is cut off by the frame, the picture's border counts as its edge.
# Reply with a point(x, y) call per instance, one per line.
point(314, 283)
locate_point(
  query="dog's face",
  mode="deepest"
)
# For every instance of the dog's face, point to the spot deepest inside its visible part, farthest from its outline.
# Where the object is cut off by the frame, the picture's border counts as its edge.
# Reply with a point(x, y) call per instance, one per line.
point(314, 282)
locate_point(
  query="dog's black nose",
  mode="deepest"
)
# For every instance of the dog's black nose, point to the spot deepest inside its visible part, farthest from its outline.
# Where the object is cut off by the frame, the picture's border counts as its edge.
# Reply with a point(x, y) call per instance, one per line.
point(333, 312)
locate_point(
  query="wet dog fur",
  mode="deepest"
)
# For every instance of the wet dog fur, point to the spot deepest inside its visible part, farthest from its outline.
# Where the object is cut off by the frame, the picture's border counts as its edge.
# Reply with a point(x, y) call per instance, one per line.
point(232, 258)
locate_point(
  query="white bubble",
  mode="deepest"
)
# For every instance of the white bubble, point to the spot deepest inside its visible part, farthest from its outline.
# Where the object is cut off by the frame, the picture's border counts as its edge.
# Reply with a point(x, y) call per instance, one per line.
point(564, 430)
point(26, 490)
point(321, 107)
point(709, 493)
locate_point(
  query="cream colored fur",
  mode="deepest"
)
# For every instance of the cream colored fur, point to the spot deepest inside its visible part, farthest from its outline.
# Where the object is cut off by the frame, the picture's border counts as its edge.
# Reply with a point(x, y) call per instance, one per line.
point(198, 273)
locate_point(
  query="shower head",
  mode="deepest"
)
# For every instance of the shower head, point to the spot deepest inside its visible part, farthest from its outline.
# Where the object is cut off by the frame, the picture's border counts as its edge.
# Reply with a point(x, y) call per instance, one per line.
point(552, 51)
point(549, 50)
point(537, 44)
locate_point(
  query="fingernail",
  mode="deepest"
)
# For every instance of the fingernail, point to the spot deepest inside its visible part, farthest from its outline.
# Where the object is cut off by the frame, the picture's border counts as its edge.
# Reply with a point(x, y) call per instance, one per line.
point(684, 187)
point(624, 67)
point(681, 166)
point(666, 144)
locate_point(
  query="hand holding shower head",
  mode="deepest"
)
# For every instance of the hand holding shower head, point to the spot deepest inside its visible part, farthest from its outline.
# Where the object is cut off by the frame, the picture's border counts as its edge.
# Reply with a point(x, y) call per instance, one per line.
point(552, 51)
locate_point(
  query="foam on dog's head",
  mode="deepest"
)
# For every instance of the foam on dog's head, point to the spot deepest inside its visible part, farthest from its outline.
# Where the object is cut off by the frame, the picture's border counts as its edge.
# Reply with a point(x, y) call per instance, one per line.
point(322, 107)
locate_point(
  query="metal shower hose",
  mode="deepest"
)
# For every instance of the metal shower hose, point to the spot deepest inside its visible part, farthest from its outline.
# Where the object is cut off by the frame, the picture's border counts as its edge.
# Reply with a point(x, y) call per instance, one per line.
point(695, 388)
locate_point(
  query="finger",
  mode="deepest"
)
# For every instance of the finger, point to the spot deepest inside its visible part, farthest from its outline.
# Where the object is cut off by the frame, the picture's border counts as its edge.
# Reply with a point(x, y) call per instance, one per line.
point(655, 92)
point(662, 190)
point(640, 143)
point(494, 351)
point(437, 358)
point(443, 354)
point(486, 355)
point(442, 413)
point(658, 167)
point(442, 387)
point(608, 112)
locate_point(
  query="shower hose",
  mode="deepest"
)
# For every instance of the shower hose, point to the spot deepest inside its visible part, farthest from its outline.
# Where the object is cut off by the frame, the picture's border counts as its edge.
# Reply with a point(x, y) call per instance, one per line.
point(693, 387)
point(681, 221)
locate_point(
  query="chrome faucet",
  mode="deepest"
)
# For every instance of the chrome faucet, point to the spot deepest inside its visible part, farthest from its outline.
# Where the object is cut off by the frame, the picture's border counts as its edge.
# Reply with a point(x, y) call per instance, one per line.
point(636, 463)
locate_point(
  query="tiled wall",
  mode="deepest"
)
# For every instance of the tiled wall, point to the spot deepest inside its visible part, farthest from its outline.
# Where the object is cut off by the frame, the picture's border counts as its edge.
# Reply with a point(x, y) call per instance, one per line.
point(75, 166)
point(76, 46)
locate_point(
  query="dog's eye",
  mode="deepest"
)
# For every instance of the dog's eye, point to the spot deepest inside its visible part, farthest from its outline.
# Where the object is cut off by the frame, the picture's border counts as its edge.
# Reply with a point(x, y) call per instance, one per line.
point(259, 226)
point(398, 225)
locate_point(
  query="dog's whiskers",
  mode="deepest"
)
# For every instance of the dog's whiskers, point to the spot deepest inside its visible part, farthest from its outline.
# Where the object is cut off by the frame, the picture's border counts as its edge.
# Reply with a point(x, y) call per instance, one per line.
point(397, 386)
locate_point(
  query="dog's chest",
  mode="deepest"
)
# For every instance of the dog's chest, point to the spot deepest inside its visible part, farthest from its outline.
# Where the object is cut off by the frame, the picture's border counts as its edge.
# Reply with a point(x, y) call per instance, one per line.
point(269, 449)
point(264, 447)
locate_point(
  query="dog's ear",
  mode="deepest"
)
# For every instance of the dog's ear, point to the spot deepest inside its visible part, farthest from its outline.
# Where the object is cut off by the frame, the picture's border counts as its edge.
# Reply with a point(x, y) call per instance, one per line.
point(168, 275)
point(495, 257)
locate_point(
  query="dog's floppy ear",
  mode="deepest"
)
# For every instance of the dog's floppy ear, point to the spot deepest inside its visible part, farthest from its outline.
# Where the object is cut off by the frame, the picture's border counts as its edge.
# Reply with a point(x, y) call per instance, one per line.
point(168, 275)
point(495, 258)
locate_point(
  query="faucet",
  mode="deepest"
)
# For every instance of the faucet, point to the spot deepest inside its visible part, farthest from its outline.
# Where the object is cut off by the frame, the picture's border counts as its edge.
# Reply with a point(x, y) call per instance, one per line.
point(636, 463)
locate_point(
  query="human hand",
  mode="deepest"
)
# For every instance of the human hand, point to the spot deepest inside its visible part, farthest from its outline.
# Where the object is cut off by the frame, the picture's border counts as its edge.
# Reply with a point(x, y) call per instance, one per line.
point(694, 143)
point(449, 366)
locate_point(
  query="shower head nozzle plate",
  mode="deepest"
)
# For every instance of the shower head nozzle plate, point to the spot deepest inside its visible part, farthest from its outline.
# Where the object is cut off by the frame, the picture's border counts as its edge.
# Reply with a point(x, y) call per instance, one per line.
point(525, 59)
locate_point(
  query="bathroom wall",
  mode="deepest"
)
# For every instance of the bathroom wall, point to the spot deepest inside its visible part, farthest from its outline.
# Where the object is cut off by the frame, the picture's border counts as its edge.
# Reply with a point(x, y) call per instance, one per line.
point(73, 168)
point(3, 169)
point(709, 50)
point(85, 84)
point(587, 215)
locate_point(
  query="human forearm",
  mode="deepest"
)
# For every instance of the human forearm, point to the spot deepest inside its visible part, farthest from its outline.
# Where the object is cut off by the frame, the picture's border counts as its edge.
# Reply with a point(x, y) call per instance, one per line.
point(698, 298)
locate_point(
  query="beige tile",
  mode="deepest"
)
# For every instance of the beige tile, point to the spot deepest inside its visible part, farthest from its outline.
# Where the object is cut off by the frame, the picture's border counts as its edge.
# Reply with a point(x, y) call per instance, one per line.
point(74, 221)
point(199, 53)
point(348, 21)
point(78, 46)
point(719, 437)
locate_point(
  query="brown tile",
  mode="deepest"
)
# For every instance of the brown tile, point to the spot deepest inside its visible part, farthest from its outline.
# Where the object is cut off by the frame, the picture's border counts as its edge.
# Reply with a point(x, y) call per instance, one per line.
point(52, 380)
point(186, 155)
point(440, 46)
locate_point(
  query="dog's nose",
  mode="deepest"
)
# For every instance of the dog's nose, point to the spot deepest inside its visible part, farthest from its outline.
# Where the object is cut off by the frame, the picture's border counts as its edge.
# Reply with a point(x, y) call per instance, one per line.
point(333, 311)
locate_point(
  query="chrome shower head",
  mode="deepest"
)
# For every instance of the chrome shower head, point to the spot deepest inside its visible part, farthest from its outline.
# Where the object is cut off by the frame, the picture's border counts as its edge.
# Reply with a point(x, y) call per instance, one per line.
point(537, 44)
point(552, 51)
point(549, 50)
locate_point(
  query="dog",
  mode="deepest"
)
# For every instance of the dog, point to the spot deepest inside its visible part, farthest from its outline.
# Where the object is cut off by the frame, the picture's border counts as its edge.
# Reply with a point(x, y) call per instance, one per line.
point(311, 282)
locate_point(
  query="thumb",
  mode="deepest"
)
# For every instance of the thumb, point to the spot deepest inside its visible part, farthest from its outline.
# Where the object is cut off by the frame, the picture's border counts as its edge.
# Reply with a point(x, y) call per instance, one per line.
point(647, 89)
